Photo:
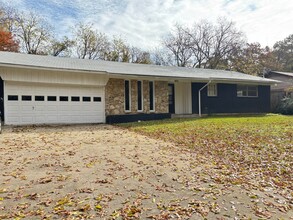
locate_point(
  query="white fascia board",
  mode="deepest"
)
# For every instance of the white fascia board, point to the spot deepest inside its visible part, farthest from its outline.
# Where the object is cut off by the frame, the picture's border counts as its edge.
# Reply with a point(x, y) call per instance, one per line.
point(53, 69)
point(193, 79)
point(244, 81)
point(154, 78)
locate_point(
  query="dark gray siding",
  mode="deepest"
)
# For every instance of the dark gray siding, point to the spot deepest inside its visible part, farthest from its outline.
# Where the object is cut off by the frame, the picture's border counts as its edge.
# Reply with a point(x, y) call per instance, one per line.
point(228, 102)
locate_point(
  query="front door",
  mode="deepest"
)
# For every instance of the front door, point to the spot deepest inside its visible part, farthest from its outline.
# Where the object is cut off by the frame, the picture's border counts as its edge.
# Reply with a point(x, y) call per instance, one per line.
point(171, 98)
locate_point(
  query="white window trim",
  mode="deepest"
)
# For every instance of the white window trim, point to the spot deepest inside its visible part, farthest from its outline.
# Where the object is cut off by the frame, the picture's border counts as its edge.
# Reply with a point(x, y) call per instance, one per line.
point(154, 97)
point(128, 97)
point(215, 86)
point(241, 96)
point(141, 110)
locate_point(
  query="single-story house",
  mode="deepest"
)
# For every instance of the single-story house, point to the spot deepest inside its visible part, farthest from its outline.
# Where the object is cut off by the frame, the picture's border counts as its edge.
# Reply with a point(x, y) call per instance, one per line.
point(282, 89)
point(44, 89)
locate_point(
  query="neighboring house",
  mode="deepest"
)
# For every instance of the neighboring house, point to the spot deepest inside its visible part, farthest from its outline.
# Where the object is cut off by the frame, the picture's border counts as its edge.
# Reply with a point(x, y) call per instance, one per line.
point(282, 89)
point(44, 89)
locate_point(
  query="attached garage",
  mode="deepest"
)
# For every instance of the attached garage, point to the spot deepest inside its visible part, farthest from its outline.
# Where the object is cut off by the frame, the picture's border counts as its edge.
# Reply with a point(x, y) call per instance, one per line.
point(32, 103)
point(52, 97)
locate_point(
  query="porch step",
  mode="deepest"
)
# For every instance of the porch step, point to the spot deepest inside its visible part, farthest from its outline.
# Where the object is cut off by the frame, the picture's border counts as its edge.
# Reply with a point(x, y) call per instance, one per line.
point(184, 116)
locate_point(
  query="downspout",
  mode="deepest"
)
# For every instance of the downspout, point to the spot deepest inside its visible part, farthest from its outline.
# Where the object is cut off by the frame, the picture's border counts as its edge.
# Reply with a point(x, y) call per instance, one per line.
point(199, 97)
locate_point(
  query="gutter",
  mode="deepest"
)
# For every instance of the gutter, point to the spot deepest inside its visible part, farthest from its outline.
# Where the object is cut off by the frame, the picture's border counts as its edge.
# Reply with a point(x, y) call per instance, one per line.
point(199, 97)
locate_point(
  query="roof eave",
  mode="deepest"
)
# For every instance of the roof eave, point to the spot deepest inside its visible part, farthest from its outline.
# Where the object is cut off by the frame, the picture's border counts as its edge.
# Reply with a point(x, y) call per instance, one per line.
point(20, 66)
point(123, 75)
point(251, 81)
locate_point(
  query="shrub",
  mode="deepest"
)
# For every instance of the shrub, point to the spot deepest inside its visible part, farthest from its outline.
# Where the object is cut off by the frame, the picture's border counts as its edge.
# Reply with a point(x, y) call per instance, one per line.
point(286, 106)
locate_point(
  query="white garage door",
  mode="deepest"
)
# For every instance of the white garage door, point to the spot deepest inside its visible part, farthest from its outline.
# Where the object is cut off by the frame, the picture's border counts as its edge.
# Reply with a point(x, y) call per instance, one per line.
point(33, 103)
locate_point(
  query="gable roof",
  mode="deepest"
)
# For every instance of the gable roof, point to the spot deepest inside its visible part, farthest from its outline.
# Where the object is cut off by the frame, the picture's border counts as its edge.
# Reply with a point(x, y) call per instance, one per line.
point(125, 69)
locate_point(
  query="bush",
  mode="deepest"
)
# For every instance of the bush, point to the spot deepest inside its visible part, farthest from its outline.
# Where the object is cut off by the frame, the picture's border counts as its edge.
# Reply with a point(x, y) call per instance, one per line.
point(286, 106)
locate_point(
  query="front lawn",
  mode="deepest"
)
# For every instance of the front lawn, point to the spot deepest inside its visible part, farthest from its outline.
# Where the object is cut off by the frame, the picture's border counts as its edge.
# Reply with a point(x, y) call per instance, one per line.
point(254, 151)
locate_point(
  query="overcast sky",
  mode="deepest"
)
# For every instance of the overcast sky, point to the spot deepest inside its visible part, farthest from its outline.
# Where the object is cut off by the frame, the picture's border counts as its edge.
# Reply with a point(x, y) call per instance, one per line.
point(144, 22)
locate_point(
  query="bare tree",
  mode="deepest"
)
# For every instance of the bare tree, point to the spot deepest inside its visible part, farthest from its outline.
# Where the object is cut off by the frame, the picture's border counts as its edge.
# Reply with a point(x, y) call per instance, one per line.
point(7, 18)
point(90, 44)
point(61, 47)
point(119, 51)
point(140, 56)
point(201, 44)
point(33, 32)
point(226, 38)
point(162, 57)
point(205, 45)
point(178, 42)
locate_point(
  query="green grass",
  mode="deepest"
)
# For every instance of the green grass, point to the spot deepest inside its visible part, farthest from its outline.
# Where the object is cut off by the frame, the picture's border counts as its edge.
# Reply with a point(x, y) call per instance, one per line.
point(255, 149)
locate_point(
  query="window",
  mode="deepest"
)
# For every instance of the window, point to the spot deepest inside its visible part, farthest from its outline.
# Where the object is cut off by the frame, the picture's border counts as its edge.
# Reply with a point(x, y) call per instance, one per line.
point(52, 98)
point(152, 95)
point(13, 98)
point(26, 98)
point(247, 91)
point(127, 95)
point(97, 99)
point(139, 96)
point(39, 98)
point(86, 99)
point(171, 94)
point(75, 98)
point(212, 89)
point(63, 98)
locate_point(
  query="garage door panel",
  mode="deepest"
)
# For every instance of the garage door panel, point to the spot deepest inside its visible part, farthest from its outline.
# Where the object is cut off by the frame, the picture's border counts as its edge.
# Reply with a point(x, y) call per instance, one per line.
point(27, 119)
point(40, 118)
point(52, 118)
point(56, 111)
point(64, 108)
point(14, 108)
point(51, 107)
point(64, 119)
point(41, 108)
point(27, 108)
point(13, 120)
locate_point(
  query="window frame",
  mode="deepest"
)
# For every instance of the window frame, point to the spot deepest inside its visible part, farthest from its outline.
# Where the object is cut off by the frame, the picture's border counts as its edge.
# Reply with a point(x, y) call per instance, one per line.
point(140, 96)
point(12, 98)
point(75, 98)
point(26, 98)
point(50, 97)
point(97, 99)
point(63, 98)
point(86, 98)
point(212, 90)
point(129, 95)
point(39, 98)
point(153, 94)
point(246, 91)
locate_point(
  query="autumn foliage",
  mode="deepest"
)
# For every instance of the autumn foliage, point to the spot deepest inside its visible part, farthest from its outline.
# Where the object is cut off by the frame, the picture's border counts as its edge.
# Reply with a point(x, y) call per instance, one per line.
point(7, 43)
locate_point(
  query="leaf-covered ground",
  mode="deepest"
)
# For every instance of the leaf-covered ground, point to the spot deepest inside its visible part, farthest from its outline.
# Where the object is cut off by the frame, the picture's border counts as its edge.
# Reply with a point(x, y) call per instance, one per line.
point(255, 153)
point(213, 168)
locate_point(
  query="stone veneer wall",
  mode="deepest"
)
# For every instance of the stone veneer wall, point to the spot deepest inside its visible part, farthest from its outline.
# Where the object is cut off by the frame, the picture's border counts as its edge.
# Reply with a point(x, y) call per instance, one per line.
point(114, 96)
point(161, 97)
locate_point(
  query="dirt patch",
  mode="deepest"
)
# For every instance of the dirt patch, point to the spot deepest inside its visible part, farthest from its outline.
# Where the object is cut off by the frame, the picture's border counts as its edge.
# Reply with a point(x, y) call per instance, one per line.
point(101, 171)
